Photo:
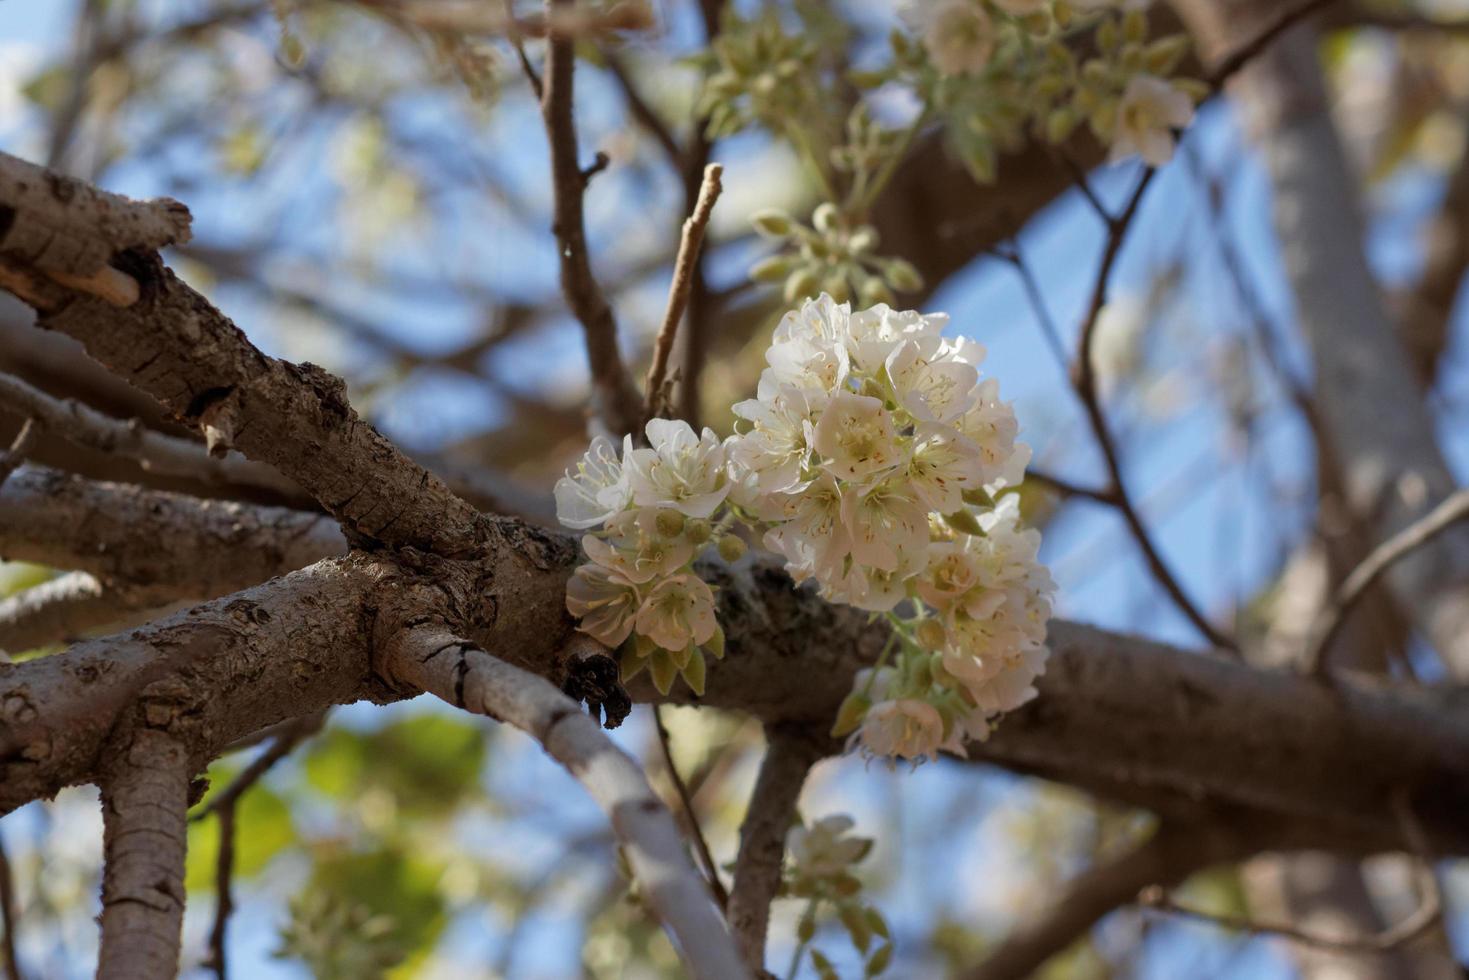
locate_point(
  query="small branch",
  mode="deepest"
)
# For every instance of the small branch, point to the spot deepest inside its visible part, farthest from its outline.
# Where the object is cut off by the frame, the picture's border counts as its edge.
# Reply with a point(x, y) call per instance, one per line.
point(1169, 856)
point(788, 758)
point(517, 41)
point(1245, 53)
point(615, 401)
point(1453, 508)
point(1066, 488)
point(1423, 918)
point(641, 111)
point(433, 659)
point(9, 917)
point(11, 458)
point(66, 607)
point(156, 452)
point(225, 804)
point(145, 793)
point(654, 391)
point(691, 818)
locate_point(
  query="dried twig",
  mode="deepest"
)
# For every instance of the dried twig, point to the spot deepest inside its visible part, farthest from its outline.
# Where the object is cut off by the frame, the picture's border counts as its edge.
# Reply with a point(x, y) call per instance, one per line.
point(691, 818)
point(654, 390)
point(10, 459)
point(1453, 508)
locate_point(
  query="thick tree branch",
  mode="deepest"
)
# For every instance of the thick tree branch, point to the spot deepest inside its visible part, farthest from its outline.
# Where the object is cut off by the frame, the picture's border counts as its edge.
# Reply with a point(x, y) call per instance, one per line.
point(615, 399)
point(166, 544)
point(145, 793)
point(789, 756)
point(434, 659)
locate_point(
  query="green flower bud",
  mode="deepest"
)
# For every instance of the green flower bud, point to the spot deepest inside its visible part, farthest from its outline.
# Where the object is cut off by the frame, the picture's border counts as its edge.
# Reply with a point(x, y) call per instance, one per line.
point(1134, 26)
point(850, 715)
point(825, 217)
point(1107, 36)
point(1194, 88)
point(670, 523)
point(772, 223)
point(697, 530)
point(873, 292)
point(1060, 123)
point(864, 239)
point(1163, 55)
point(836, 286)
point(965, 521)
point(800, 284)
point(772, 268)
point(731, 548)
point(902, 275)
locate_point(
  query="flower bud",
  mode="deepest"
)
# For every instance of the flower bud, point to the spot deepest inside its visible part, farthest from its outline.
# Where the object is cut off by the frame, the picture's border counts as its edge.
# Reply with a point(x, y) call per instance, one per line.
point(964, 520)
point(902, 275)
point(873, 292)
point(930, 634)
point(799, 284)
point(864, 239)
point(670, 523)
point(731, 548)
point(850, 715)
point(772, 223)
point(773, 268)
point(1163, 55)
point(825, 217)
point(1059, 125)
point(1134, 26)
point(697, 530)
point(836, 286)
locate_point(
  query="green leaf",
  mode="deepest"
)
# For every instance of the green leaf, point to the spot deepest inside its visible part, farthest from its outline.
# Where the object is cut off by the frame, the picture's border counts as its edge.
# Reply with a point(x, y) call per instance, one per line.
point(856, 925)
point(880, 959)
point(664, 669)
point(693, 672)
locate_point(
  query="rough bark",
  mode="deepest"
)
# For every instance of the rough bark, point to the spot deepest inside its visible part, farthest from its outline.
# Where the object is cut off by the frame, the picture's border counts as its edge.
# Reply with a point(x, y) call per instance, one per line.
point(145, 796)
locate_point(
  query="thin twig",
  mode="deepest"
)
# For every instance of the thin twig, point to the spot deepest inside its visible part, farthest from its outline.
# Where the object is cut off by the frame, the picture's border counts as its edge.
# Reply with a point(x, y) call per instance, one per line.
point(615, 400)
point(1049, 331)
point(8, 918)
point(517, 41)
point(1453, 508)
point(1246, 52)
point(641, 111)
point(20, 446)
point(655, 397)
point(1066, 488)
point(1423, 918)
point(226, 805)
point(701, 845)
point(1085, 383)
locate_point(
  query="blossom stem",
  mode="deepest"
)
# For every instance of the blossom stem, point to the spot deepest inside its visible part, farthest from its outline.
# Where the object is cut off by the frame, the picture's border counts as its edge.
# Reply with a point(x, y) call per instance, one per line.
point(890, 165)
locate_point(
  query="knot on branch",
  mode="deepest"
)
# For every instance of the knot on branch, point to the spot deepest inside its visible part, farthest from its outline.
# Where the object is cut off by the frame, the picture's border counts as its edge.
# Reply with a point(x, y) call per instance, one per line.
point(594, 678)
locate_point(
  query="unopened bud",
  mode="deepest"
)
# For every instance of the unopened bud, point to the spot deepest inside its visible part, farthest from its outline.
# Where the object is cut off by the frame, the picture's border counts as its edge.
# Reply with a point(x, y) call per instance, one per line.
point(850, 714)
point(731, 548)
point(930, 634)
point(670, 523)
point(697, 530)
point(773, 268)
point(902, 275)
point(824, 218)
point(772, 223)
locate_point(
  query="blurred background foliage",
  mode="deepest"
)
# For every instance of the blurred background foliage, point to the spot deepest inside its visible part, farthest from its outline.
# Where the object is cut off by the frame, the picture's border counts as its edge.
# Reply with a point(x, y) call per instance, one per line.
point(374, 197)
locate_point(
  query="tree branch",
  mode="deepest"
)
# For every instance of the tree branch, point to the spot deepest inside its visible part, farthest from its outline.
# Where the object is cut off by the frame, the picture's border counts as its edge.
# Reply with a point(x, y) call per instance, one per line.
point(145, 791)
point(10, 459)
point(691, 818)
point(615, 401)
point(65, 608)
point(789, 756)
point(434, 659)
point(684, 267)
point(1169, 856)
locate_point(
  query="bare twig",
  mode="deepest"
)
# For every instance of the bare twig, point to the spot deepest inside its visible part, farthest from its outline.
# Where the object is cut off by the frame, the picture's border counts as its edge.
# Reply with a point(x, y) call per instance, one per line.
point(788, 758)
point(8, 918)
point(67, 607)
point(144, 796)
point(1453, 508)
point(615, 400)
point(1067, 488)
point(1241, 56)
point(691, 818)
point(433, 659)
point(654, 393)
point(517, 41)
point(1085, 383)
point(226, 804)
point(10, 459)
point(1423, 918)
point(1169, 856)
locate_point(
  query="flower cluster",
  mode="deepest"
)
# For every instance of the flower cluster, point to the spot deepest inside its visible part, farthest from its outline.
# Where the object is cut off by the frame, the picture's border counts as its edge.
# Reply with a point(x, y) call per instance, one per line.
point(874, 460)
point(822, 858)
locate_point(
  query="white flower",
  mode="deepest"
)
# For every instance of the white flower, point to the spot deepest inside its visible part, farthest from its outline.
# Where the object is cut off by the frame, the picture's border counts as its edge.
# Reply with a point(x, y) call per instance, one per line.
point(855, 435)
point(959, 36)
point(908, 728)
point(884, 523)
point(777, 444)
point(680, 471)
point(605, 602)
point(990, 424)
point(815, 367)
point(1150, 110)
point(824, 850)
point(931, 391)
point(598, 490)
point(636, 550)
point(1014, 684)
point(812, 537)
point(821, 320)
point(942, 466)
point(677, 612)
point(874, 589)
point(873, 333)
